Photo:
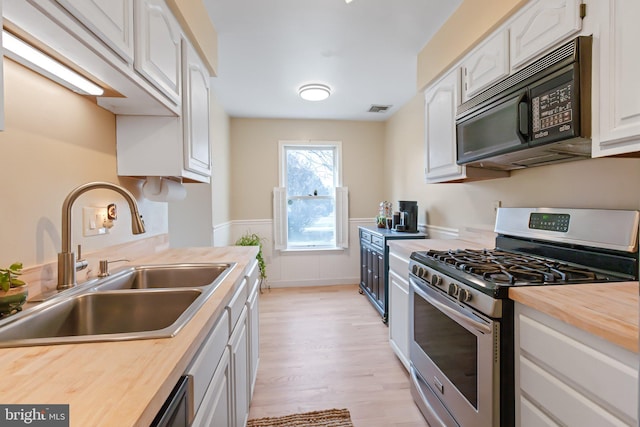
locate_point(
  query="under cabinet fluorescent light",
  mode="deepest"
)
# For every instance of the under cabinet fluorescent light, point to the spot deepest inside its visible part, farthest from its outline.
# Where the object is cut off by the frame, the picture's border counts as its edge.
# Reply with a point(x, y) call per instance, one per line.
point(32, 58)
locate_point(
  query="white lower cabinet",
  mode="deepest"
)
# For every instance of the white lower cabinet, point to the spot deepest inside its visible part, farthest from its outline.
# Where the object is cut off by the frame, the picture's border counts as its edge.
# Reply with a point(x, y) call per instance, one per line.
point(254, 326)
point(216, 403)
point(224, 367)
point(399, 306)
point(565, 376)
point(238, 346)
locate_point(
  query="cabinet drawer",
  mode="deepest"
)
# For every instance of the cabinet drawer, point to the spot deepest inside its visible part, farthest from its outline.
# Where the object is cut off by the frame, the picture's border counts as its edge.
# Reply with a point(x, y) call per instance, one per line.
point(565, 403)
point(365, 236)
point(604, 375)
point(236, 304)
point(399, 265)
point(377, 241)
point(205, 362)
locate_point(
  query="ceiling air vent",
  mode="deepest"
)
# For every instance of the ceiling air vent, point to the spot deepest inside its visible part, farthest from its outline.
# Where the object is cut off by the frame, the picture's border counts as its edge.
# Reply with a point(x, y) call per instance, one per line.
point(379, 108)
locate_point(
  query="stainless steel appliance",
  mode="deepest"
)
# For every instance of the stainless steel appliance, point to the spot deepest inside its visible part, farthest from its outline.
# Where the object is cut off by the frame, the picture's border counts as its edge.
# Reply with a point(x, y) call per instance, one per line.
point(461, 320)
point(177, 410)
point(539, 115)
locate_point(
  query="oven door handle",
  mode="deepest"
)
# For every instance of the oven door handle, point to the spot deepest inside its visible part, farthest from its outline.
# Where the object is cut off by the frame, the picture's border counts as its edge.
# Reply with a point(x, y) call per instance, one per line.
point(460, 315)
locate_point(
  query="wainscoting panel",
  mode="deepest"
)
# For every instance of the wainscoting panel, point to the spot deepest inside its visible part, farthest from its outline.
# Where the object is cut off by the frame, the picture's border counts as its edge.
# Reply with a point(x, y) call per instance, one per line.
point(301, 268)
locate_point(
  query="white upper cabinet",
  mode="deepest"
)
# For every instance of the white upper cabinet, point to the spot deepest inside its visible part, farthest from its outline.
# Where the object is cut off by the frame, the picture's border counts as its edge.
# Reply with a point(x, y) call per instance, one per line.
point(158, 47)
point(541, 25)
point(616, 71)
point(195, 105)
point(486, 65)
point(109, 20)
point(1, 82)
point(441, 101)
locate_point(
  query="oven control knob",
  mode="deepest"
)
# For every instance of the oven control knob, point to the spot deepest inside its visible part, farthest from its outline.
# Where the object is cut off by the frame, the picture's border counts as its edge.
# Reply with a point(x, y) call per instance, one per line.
point(453, 289)
point(464, 295)
point(415, 269)
point(436, 280)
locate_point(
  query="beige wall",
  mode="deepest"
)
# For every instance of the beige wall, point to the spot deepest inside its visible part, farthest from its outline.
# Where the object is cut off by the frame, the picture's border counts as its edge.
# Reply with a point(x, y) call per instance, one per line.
point(254, 162)
point(595, 183)
point(192, 220)
point(467, 25)
point(55, 140)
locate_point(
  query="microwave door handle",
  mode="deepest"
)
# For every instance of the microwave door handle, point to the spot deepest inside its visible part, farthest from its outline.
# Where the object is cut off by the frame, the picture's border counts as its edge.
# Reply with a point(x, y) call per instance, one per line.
point(523, 118)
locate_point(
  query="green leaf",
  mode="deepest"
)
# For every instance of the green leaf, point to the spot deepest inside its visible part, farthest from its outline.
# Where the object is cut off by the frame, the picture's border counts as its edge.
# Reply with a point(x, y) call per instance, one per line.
point(17, 282)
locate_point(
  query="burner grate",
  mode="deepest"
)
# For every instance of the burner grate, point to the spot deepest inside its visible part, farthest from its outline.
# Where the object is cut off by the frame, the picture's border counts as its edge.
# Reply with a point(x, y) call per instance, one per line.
point(514, 269)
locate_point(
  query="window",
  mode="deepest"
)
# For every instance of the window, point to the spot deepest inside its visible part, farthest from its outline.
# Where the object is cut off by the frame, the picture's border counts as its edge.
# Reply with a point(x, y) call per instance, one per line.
point(310, 204)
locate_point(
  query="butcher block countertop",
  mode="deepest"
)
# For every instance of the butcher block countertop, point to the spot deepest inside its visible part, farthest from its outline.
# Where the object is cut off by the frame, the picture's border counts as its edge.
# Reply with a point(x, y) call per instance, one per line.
point(607, 310)
point(119, 383)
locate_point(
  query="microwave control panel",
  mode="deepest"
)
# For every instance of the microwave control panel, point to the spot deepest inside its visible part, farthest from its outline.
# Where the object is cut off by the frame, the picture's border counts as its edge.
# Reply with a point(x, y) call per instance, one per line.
point(552, 112)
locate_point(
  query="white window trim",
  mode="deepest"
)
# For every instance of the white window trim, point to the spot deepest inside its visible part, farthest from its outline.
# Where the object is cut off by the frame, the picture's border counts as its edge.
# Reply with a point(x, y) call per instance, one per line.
point(280, 201)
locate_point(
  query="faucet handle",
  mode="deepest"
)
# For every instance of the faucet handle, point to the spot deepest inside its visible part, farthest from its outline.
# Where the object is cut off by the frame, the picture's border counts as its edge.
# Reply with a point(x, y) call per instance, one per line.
point(104, 266)
point(81, 264)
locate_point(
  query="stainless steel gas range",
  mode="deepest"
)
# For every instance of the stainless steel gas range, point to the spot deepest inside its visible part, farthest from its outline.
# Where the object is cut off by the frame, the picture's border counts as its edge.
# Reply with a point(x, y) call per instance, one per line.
point(461, 320)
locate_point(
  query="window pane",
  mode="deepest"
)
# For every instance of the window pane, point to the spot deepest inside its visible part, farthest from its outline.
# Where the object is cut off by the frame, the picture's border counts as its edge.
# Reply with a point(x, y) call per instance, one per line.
point(310, 171)
point(311, 221)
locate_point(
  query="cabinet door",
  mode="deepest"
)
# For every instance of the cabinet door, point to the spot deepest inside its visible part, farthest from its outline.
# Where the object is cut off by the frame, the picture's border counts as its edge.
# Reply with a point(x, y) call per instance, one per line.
point(239, 367)
point(215, 410)
point(487, 65)
point(441, 102)
point(380, 273)
point(363, 265)
point(541, 26)
point(158, 47)
point(195, 105)
point(399, 316)
point(110, 20)
point(619, 68)
point(254, 336)
point(369, 283)
point(1, 81)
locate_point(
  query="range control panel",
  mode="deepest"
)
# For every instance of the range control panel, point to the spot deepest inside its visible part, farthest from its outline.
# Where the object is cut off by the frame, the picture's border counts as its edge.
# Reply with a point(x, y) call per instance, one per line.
point(549, 222)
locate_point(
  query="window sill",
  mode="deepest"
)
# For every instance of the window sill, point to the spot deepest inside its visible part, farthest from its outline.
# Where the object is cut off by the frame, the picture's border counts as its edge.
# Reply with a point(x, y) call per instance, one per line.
point(312, 249)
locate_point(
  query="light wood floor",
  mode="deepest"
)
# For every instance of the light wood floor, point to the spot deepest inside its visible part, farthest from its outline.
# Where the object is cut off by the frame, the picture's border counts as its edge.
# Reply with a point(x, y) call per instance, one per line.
point(326, 347)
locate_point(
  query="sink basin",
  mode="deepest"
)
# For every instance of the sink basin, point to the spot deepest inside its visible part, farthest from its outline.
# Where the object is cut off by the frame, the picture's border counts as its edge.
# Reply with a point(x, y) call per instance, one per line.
point(165, 276)
point(147, 301)
point(104, 316)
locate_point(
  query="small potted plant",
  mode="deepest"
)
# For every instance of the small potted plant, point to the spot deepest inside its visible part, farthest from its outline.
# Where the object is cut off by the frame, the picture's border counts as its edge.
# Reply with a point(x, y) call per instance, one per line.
point(252, 239)
point(13, 291)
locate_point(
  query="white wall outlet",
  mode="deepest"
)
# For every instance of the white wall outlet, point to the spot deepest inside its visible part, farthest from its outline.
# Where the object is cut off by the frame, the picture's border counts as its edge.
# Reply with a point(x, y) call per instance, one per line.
point(93, 220)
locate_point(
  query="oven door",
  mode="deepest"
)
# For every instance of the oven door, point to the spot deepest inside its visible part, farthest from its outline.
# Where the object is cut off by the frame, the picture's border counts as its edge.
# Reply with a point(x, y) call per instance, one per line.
point(455, 358)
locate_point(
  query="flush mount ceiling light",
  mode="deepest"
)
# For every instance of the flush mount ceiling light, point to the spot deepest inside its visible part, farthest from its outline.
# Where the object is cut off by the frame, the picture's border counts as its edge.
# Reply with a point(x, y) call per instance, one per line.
point(314, 92)
point(34, 59)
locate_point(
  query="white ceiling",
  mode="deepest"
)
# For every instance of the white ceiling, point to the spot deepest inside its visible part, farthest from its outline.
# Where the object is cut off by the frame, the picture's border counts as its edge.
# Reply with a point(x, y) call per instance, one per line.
point(366, 51)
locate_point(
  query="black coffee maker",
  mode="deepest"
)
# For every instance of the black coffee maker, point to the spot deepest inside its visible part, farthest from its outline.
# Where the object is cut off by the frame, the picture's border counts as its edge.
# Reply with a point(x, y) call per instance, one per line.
point(408, 218)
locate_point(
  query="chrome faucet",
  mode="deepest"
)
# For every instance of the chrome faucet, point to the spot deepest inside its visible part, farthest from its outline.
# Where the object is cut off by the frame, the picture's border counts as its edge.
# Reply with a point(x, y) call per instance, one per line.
point(67, 264)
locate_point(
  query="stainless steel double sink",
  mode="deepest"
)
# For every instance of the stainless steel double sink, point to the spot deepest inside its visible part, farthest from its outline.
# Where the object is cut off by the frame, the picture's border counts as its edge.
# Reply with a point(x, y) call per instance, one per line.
point(146, 301)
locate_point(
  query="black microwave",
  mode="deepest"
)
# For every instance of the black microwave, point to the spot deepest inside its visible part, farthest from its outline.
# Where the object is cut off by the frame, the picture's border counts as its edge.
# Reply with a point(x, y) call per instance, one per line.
point(539, 115)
